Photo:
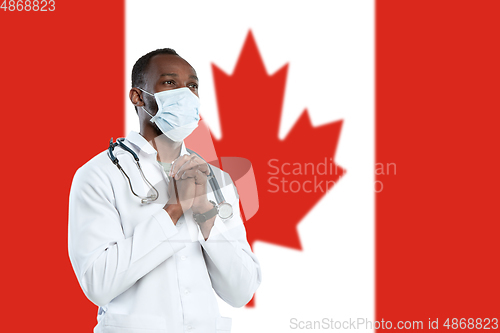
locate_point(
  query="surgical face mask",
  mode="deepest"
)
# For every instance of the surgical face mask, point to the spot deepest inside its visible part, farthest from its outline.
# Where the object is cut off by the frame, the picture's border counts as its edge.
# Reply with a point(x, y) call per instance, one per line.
point(178, 112)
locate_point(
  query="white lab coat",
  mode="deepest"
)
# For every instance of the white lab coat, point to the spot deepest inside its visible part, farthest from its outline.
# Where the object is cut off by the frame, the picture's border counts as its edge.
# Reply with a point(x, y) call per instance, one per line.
point(145, 273)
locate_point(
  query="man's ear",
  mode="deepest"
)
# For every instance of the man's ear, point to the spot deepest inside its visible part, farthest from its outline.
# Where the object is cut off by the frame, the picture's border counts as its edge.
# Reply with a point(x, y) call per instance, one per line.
point(135, 96)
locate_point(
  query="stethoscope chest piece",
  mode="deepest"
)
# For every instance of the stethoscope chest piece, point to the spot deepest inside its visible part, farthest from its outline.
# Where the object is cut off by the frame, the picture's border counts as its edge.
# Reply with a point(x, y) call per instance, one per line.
point(225, 210)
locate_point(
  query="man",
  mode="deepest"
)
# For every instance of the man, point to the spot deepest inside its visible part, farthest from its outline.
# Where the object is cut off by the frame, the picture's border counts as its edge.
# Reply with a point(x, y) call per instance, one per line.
point(150, 251)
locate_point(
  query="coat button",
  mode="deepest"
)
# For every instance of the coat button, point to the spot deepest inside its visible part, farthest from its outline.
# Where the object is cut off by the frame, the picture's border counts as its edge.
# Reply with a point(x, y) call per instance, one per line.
point(183, 257)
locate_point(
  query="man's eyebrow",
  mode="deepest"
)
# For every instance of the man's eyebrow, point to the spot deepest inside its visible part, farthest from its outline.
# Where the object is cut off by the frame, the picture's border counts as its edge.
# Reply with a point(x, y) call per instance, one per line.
point(194, 77)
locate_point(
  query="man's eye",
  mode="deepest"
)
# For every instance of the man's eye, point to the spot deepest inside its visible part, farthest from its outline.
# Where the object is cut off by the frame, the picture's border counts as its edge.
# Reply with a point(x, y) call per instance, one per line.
point(169, 82)
point(193, 85)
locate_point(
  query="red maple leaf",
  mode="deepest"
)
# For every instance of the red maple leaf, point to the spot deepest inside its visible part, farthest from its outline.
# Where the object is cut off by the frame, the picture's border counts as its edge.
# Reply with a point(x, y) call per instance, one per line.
point(250, 103)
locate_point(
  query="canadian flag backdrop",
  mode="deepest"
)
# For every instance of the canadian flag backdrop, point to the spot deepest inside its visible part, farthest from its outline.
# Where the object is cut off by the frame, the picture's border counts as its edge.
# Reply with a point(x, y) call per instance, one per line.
point(400, 98)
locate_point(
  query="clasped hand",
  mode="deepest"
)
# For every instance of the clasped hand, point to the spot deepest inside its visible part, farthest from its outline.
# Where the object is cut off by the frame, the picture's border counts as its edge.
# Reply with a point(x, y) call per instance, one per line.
point(188, 185)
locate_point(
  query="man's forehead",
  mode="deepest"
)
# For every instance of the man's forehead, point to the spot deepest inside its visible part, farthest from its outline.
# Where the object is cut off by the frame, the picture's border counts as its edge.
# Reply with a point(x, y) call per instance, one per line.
point(162, 64)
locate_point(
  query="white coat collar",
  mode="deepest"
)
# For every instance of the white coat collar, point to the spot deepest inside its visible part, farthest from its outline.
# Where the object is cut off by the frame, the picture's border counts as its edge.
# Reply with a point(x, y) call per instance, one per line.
point(143, 145)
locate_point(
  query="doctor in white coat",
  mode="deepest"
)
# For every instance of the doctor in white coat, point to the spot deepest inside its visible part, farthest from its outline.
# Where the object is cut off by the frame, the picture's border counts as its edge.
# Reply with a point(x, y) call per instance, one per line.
point(153, 266)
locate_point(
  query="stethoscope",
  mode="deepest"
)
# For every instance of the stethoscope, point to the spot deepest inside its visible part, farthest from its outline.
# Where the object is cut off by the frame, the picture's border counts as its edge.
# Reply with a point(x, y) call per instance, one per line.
point(225, 210)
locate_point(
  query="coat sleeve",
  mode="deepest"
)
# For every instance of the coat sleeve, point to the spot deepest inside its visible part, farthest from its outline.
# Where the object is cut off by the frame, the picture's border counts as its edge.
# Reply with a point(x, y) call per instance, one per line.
point(106, 262)
point(233, 268)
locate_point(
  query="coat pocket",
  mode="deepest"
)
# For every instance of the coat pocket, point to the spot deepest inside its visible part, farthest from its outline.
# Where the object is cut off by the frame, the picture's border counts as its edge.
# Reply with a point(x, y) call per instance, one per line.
point(113, 322)
point(224, 325)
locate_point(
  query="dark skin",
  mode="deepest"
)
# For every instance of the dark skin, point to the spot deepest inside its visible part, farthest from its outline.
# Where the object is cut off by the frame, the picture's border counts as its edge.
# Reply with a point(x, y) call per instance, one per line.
point(188, 186)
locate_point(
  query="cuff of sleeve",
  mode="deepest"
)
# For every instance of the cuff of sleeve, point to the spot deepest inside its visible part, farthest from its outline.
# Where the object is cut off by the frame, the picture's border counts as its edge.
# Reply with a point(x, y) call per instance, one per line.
point(174, 237)
point(218, 233)
point(166, 223)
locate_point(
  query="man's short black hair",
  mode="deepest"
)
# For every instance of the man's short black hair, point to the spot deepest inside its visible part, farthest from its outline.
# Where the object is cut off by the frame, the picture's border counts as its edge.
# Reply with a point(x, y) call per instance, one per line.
point(142, 64)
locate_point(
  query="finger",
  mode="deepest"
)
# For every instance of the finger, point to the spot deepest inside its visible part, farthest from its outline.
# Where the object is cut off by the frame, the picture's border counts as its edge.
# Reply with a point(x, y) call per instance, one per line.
point(202, 165)
point(199, 176)
point(194, 163)
point(177, 164)
point(186, 174)
point(188, 165)
point(176, 194)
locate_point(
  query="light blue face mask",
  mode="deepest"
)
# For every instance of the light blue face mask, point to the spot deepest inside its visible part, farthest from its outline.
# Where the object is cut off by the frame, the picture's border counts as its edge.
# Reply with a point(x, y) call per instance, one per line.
point(178, 112)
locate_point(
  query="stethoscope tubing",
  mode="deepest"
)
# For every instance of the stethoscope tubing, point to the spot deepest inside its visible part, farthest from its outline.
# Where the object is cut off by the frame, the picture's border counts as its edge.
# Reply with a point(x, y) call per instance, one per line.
point(214, 184)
